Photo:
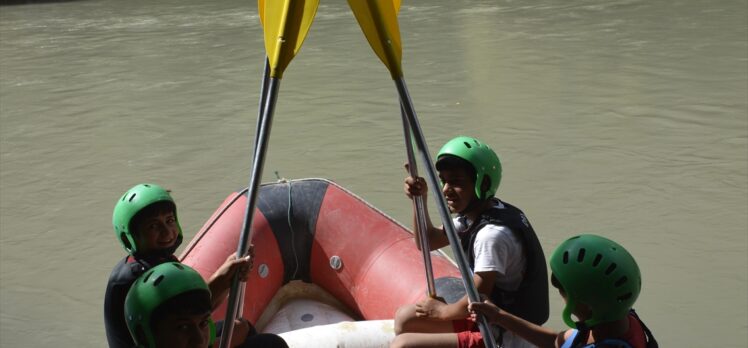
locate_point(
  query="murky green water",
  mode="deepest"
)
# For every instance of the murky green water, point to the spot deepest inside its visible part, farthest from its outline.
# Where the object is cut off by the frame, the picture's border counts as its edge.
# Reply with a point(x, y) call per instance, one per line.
point(626, 118)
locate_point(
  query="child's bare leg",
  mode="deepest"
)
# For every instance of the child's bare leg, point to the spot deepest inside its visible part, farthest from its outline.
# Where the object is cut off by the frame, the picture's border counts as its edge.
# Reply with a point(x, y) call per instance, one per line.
point(431, 340)
point(407, 321)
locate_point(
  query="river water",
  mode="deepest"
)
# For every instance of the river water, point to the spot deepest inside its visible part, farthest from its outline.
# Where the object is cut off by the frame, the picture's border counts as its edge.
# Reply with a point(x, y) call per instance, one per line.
point(626, 118)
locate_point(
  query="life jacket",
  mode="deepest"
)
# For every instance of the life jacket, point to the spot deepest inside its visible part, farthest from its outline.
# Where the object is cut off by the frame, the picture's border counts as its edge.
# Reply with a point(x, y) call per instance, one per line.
point(122, 277)
point(134, 267)
point(637, 330)
point(530, 300)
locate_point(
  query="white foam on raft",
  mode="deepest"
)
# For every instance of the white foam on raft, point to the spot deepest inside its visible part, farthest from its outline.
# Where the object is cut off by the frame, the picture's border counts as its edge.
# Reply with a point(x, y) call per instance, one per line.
point(303, 313)
point(305, 322)
point(347, 334)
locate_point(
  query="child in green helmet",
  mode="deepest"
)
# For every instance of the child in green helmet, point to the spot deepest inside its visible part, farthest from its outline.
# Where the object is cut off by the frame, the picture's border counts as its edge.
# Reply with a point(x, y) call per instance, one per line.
point(145, 223)
point(599, 281)
point(170, 305)
point(502, 248)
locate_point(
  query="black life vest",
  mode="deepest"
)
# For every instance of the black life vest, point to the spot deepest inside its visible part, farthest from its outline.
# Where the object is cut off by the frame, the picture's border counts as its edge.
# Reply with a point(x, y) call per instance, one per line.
point(122, 277)
point(530, 300)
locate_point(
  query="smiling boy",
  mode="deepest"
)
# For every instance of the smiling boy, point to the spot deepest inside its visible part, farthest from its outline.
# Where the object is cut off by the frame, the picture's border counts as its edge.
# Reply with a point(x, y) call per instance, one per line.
point(147, 226)
point(501, 246)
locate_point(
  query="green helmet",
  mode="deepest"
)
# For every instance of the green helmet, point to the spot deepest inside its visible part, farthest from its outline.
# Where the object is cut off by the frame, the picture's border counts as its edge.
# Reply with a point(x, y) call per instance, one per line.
point(481, 157)
point(132, 202)
point(598, 272)
point(151, 290)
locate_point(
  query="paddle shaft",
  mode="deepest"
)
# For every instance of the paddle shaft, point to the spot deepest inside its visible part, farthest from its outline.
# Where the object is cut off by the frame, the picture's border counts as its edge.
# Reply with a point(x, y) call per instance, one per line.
point(263, 96)
point(261, 110)
point(421, 225)
point(454, 242)
point(258, 163)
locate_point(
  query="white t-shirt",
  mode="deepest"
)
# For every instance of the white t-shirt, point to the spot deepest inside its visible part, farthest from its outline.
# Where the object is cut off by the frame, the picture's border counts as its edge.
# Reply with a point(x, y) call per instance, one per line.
point(497, 249)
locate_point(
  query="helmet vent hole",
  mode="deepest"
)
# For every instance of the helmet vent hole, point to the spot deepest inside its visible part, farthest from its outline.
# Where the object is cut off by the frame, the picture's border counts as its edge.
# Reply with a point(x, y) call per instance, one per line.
point(610, 269)
point(145, 279)
point(580, 256)
point(566, 257)
point(158, 280)
point(468, 145)
point(621, 281)
point(597, 260)
point(178, 266)
point(624, 297)
point(132, 197)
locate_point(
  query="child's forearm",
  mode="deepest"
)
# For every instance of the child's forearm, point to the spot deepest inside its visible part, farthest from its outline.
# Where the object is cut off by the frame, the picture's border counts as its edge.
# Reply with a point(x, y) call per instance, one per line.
point(535, 334)
point(219, 289)
point(455, 311)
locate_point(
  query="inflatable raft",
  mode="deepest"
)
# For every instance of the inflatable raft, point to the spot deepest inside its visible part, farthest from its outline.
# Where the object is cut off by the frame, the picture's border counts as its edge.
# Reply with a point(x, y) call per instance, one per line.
point(330, 270)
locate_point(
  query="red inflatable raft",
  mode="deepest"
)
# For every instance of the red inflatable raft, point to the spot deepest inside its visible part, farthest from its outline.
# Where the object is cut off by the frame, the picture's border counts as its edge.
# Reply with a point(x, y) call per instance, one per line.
point(315, 242)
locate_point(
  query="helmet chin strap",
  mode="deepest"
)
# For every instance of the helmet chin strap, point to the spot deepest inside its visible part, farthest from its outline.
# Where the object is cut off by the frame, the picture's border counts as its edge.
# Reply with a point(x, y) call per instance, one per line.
point(474, 204)
point(477, 201)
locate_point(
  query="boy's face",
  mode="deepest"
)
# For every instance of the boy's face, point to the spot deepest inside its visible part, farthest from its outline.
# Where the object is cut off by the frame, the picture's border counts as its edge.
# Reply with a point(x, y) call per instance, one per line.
point(458, 188)
point(156, 232)
point(181, 330)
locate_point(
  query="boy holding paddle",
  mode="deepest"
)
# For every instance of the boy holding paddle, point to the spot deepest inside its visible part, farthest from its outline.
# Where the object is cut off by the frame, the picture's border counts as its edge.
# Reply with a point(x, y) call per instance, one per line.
point(145, 222)
point(501, 246)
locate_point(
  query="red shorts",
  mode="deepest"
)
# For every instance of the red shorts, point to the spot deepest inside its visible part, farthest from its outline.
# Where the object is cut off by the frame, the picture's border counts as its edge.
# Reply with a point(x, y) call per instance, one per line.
point(468, 334)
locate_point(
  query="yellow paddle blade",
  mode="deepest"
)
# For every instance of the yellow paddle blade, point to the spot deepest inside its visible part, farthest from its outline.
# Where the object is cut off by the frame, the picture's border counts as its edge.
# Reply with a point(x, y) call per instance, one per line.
point(261, 11)
point(378, 21)
point(286, 23)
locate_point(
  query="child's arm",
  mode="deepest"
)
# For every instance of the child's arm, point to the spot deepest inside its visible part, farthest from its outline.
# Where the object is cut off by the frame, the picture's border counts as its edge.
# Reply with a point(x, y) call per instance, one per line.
point(439, 309)
point(220, 282)
point(417, 187)
point(535, 334)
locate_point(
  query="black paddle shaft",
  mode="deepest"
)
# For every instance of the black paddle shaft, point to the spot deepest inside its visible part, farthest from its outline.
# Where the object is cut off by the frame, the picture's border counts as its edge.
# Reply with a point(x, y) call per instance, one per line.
point(258, 163)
